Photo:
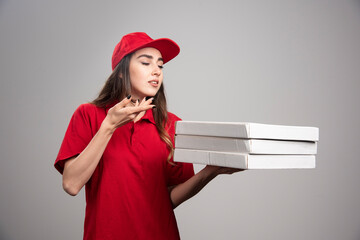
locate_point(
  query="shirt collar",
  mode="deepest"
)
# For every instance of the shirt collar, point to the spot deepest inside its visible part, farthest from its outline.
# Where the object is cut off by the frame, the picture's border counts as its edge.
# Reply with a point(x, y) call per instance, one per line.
point(149, 116)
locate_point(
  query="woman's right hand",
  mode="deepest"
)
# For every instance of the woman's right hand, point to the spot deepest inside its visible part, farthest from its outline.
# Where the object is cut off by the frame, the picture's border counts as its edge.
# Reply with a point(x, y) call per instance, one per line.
point(121, 113)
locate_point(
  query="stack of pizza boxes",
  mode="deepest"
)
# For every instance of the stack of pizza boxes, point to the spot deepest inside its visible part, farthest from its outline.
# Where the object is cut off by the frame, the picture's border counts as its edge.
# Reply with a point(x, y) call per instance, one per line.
point(246, 145)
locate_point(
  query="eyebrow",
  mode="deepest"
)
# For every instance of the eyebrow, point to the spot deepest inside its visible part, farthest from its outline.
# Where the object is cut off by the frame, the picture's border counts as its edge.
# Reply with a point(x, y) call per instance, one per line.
point(150, 57)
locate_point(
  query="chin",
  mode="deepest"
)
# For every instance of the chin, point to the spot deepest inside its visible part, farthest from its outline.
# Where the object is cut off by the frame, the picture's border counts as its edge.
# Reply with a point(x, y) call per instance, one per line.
point(151, 93)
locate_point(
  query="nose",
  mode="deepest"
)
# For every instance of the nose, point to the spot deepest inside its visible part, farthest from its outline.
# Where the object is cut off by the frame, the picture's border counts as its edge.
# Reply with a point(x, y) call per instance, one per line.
point(156, 71)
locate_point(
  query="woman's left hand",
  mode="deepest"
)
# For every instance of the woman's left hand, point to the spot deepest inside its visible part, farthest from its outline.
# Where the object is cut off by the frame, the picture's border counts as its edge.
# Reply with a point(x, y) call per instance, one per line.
point(192, 186)
point(216, 170)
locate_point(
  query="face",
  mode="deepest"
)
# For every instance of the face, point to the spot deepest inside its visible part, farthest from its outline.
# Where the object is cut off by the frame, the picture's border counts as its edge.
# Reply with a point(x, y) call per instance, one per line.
point(145, 72)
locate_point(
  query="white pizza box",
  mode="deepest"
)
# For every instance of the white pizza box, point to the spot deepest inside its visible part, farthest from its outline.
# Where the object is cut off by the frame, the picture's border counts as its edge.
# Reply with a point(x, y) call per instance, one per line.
point(244, 161)
point(247, 130)
point(254, 146)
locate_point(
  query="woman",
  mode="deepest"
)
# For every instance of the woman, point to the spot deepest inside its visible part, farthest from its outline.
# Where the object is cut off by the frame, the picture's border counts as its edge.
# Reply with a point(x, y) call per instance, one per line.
point(122, 150)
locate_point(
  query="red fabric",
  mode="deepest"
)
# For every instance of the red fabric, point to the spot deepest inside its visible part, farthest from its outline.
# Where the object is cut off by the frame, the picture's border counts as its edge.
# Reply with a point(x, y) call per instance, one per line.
point(127, 196)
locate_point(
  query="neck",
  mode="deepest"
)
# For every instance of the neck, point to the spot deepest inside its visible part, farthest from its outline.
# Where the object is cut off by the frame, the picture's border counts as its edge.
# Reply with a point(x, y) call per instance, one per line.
point(135, 97)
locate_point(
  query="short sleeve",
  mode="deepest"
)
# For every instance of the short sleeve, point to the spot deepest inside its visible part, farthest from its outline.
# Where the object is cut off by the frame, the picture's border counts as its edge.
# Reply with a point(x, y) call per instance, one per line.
point(177, 172)
point(77, 136)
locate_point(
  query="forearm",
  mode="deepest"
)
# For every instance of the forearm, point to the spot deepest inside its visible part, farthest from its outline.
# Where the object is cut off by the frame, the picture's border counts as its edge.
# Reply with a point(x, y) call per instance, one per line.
point(77, 171)
point(191, 187)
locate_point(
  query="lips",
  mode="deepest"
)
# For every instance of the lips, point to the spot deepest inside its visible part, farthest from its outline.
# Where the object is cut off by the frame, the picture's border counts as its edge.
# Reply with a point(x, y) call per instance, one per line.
point(154, 82)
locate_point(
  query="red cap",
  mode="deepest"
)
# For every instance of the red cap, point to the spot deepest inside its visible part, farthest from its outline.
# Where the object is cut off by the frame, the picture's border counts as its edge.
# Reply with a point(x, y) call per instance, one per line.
point(137, 40)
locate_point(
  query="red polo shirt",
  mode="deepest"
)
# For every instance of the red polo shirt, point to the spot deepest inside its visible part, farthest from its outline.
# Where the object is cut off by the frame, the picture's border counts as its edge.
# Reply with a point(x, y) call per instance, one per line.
point(127, 195)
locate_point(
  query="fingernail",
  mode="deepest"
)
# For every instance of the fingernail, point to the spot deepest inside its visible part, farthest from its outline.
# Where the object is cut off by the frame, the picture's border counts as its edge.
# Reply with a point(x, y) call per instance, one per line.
point(154, 107)
point(128, 97)
point(147, 98)
point(138, 100)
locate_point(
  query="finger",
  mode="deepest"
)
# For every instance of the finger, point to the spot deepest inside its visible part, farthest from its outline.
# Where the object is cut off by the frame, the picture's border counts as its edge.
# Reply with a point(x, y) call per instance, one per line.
point(147, 101)
point(146, 107)
point(234, 170)
point(140, 108)
point(227, 170)
point(137, 103)
point(150, 100)
point(124, 102)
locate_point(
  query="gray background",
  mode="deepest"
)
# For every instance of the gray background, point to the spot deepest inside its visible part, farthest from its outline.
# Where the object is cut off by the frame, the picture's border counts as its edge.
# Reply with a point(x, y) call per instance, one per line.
point(280, 62)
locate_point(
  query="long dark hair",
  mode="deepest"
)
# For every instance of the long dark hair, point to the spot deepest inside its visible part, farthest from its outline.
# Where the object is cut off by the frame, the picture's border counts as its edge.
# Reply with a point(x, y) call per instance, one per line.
point(117, 88)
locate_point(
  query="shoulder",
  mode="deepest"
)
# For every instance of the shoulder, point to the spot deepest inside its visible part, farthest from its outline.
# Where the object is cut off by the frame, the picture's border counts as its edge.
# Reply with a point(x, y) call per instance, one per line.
point(172, 117)
point(171, 123)
point(88, 110)
point(88, 107)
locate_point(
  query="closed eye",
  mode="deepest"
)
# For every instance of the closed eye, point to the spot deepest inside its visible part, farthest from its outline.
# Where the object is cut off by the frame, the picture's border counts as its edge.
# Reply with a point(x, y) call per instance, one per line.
point(147, 64)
